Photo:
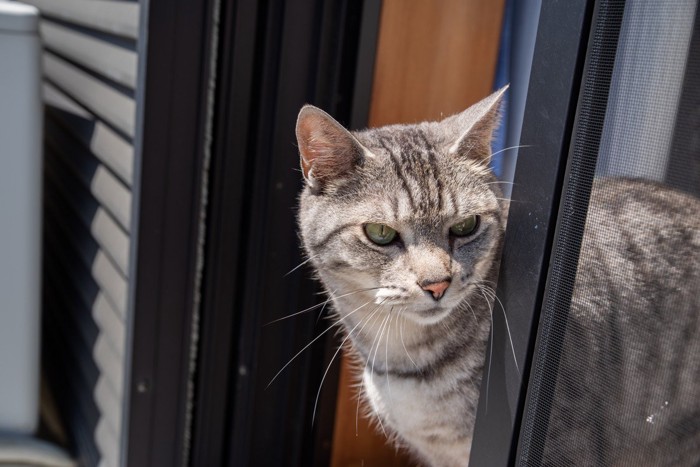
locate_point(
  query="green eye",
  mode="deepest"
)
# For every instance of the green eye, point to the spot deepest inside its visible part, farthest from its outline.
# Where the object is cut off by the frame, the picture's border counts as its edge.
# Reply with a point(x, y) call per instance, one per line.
point(380, 234)
point(466, 227)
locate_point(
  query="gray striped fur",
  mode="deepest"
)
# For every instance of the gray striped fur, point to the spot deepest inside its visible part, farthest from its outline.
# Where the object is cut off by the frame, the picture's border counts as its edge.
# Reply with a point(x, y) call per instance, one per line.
point(421, 359)
point(628, 386)
point(627, 391)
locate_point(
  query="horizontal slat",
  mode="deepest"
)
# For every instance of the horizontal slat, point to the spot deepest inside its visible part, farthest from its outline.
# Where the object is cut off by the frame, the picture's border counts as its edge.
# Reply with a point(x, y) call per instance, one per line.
point(106, 145)
point(85, 213)
point(65, 312)
point(112, 239)
point(68, 273)
point(99, 98)
point(105, 187)
point(78, 366)
point(101, 268)
point(75, 391)
point(113, 284)
point(101, 319)
point(55, 98)
point(108, 403)
point(110, 193)
point(107, 443)
point(81, 256)
point(114, 17)
point(85, 330)
point(111, 325)
point(68, 396)
point(111, 61)
point(110, 364)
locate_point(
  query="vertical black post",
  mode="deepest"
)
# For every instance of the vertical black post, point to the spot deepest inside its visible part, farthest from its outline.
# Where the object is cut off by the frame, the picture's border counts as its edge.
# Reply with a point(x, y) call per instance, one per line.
point(274, 57)
point(174, 53)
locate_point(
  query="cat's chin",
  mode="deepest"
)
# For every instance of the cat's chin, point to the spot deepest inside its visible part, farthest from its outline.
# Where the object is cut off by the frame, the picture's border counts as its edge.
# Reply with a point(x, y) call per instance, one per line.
point(428, 317)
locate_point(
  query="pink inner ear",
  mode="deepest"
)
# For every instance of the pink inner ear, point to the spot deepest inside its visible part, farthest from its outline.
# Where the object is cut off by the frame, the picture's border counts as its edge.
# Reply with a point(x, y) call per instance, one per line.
point(312, 141)
point(327, 149)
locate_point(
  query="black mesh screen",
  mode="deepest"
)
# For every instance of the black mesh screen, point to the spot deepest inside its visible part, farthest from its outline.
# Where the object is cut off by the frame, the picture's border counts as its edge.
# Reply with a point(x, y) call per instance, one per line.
point(616, 375)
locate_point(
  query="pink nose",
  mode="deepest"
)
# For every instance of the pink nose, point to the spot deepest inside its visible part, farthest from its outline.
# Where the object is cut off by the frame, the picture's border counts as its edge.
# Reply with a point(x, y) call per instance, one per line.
point(436, 288)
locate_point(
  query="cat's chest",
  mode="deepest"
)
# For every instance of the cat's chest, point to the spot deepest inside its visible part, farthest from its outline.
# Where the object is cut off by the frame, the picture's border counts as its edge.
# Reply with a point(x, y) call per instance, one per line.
point(399, 400)
point(411, 404)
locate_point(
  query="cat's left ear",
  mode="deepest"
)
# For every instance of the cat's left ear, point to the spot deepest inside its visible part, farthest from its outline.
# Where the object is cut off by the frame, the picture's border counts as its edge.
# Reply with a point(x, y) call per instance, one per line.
point(473, 129)
point(328, 151)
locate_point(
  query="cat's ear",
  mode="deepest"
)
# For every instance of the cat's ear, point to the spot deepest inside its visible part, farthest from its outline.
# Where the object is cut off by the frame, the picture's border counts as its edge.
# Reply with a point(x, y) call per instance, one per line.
point(473, 129)
point(327, 150)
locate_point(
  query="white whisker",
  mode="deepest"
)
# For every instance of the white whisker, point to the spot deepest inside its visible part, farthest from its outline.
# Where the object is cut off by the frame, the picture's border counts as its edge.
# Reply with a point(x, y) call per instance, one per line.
point(499, 182)
point(386, 352)
point(492, 294)
point(310, 343)
point(377, 339)
point(488, 371)
point(510, 337)
point(512, 147)
point(362, 383)
point(323, 378)
point(472, 310)
point(301, 264)
point(322, 304)
point(402, 341)
point(320, 312)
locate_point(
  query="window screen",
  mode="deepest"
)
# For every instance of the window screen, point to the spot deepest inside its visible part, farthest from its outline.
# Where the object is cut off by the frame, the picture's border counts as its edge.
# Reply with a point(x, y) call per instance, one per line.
point(616, 373)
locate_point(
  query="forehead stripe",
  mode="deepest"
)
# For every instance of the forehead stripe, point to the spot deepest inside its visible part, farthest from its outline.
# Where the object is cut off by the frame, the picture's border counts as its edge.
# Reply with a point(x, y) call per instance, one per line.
point(414, 151)
point(435, 169)
point(397, 170)
point(436, 175)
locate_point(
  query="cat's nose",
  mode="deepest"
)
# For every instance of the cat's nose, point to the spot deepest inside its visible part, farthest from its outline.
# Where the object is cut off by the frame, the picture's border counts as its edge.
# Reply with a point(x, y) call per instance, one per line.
point(436, 288)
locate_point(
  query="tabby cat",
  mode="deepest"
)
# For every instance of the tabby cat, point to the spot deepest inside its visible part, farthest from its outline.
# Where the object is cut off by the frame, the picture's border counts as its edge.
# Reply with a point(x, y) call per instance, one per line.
point(404, 226)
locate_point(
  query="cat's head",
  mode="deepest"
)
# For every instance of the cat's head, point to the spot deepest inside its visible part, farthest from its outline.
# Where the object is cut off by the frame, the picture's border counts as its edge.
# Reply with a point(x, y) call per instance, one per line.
point(406, 216)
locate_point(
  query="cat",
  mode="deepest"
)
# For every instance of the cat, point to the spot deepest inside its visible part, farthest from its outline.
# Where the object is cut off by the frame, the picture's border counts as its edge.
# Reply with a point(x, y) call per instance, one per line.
point(628, 385)
point(404, 224)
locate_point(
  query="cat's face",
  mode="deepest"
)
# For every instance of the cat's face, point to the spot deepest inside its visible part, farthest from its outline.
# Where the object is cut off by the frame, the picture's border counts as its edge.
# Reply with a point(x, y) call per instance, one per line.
point(408, 217)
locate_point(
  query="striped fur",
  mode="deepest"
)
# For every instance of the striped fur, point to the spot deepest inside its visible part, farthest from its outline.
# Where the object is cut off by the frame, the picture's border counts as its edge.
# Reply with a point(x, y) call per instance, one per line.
point(628, 387)
point(421, 359)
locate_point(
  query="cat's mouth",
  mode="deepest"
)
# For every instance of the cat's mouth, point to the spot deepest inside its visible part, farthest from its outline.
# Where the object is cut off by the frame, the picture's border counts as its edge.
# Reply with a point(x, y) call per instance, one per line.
point(399, 296)
point(419, 308)
point(392, 296)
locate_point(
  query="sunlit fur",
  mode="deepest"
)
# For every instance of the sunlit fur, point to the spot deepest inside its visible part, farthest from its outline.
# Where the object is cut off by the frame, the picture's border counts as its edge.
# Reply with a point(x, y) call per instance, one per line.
point(627, 383)
point(421, 359)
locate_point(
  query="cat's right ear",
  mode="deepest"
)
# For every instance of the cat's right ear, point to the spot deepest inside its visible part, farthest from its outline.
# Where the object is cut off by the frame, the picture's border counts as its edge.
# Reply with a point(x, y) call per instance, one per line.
point(473, 129)
point(327, 150)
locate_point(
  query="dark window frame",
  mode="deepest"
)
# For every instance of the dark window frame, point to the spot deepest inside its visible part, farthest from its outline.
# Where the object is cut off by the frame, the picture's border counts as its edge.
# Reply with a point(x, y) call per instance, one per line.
point(170, 146)
point(220, 85)
point(557, 68)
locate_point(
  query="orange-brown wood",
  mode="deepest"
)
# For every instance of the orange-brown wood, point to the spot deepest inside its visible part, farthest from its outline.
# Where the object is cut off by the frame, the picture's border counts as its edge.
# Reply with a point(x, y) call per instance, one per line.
point(355, 442)
point(434, 58)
